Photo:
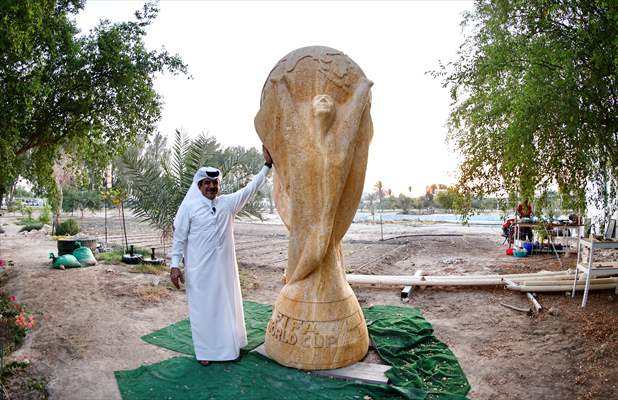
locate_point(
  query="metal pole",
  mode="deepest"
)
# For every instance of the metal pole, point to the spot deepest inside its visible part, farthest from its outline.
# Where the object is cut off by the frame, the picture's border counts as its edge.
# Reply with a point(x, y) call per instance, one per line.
point(124, 227)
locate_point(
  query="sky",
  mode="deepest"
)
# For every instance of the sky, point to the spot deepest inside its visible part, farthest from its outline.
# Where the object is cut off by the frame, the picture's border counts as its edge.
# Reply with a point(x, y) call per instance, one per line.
point(230, 48)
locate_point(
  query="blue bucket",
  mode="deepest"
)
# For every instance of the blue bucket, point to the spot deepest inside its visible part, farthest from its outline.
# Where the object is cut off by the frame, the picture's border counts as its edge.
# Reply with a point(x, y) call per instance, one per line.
point(528, 246)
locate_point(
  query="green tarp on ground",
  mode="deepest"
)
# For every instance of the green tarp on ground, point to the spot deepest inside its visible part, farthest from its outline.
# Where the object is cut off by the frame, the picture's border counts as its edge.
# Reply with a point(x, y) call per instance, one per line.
point(423, 367)
point(177, 336)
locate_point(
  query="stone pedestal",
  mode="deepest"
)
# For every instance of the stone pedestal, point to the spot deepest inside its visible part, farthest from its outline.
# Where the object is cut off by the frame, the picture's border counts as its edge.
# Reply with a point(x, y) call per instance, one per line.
point(315, 120)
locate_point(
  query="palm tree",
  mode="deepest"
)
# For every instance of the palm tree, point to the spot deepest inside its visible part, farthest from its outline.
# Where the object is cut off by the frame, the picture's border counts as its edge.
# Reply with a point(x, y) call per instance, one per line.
point(379, 189)
point(157, 186)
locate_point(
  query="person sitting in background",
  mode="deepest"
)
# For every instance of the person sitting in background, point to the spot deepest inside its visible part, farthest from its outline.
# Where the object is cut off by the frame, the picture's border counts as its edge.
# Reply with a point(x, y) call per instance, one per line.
point(524, 210)
point(507, 226)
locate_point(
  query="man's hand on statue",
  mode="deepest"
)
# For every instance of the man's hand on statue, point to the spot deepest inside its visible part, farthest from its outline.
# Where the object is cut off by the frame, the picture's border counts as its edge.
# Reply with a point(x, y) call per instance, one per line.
point(267, 158)
point(175, 276)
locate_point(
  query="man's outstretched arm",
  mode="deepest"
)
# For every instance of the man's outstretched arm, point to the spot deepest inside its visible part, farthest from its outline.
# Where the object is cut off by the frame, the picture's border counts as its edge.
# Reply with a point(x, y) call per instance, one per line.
point(242, 196)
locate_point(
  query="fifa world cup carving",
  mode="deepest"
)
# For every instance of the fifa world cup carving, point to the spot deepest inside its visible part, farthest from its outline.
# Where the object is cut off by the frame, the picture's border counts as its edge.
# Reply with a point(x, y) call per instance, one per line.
point(315, 120)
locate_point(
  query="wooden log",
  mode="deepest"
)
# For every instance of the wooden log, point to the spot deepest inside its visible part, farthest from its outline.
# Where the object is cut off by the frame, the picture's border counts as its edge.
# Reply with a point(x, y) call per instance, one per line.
point(537, 306)
point(361, 371)
point(520, 309)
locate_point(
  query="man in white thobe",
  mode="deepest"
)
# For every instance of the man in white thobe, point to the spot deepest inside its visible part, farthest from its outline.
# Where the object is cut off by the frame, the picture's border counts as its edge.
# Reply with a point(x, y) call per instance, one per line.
point(204, 235)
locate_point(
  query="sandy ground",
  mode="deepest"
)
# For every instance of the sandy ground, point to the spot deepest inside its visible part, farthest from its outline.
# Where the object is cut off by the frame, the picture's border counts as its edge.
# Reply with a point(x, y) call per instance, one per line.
point(91, 320)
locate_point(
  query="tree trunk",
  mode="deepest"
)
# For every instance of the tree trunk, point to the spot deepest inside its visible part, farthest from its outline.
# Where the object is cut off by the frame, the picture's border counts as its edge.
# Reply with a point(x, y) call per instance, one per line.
point(57, 211)
point(10, 194)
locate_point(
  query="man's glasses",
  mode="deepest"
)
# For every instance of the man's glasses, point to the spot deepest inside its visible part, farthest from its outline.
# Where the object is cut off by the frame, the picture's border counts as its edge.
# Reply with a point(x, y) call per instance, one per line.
point(214, 210)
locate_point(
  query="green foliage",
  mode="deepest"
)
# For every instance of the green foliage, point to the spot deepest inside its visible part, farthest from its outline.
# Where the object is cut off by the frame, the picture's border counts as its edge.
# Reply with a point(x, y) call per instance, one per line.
point(31, 227)
point(405, 203)
point(157, 186)
point(445, 198)
point(45, 215)
point(26, 221)
point(75, 198)
point(534, 100)
point(115, 256)
point(69, 227)
point(90, 95)
point(21, 192)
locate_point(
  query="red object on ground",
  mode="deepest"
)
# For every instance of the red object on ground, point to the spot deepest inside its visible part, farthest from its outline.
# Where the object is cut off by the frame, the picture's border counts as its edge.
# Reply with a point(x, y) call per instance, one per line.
point(509, 251)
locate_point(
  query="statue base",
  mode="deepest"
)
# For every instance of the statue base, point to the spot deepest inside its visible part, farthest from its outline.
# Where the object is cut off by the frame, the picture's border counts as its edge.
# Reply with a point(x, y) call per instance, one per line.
point(314, 335)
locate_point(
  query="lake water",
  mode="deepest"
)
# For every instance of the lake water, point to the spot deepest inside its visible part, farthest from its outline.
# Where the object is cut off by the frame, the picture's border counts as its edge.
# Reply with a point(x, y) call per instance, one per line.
point(493, 219)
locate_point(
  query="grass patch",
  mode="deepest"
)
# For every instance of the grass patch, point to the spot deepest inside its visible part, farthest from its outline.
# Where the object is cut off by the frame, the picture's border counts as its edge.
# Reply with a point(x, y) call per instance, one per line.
point(115, 256)
point(31, 227)
point(27, 221)
point(152, 294)
point(149, 269)
point(110, 257)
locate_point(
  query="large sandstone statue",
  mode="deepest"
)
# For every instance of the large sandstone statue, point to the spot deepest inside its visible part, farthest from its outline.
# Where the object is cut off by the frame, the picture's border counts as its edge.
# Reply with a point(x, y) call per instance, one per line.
point(315, 120)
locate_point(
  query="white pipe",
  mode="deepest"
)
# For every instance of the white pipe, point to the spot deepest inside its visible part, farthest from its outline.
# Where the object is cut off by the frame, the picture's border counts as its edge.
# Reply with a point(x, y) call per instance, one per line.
point(562, 288)
point(415, 281)
point(562, 283)
point(452, 280)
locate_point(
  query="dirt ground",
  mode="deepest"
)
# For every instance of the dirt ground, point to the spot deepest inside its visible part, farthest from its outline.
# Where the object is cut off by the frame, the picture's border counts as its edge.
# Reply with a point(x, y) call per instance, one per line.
point(91, 319)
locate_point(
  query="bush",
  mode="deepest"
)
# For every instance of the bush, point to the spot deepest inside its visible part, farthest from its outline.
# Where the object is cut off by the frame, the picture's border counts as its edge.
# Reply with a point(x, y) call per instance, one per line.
point(15, 321)
point(45, 216)
point(26, 221)
point(31, 227)
point(67, 228)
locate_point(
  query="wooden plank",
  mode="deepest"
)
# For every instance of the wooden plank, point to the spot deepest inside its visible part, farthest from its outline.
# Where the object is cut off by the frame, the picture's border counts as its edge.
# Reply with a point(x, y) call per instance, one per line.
point(537, 306)
point(261, 349)
point(360, 371)
point(609, 231)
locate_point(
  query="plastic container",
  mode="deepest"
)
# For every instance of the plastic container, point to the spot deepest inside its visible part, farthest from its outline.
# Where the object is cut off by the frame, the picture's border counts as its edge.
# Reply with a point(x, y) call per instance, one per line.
point(66, 246)
point(528, 246)
point(520, 253)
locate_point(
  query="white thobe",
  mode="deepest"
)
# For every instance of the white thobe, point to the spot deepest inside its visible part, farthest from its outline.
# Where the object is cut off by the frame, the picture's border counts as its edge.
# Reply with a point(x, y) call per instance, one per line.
point(204, 234)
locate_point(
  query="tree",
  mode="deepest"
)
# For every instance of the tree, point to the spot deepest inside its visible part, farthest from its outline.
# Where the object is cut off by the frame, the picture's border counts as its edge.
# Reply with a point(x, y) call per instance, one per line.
point(405, 203)
point(445, 198)
point(381, 192)
point(535, 98)
point(90, 95)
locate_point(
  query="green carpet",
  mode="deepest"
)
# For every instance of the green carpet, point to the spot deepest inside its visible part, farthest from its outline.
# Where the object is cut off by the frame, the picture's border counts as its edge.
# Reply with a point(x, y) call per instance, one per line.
point(423, 366)
point(177, 336)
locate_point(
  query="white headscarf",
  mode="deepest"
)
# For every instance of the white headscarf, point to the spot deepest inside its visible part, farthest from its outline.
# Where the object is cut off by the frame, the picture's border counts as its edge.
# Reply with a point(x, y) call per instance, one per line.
point(194, 193)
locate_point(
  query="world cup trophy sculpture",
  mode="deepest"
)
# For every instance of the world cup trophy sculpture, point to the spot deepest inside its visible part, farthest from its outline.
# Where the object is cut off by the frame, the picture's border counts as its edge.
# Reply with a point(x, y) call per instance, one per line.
point(315, 120)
